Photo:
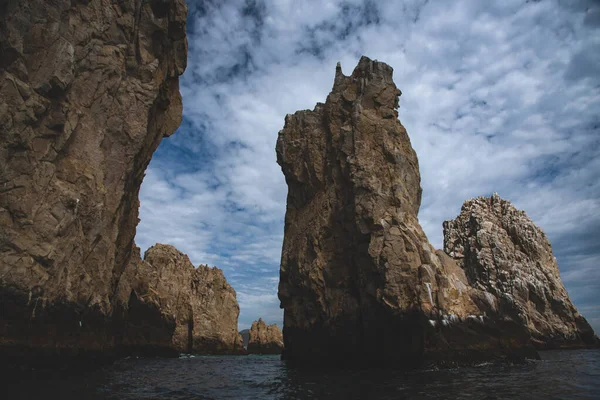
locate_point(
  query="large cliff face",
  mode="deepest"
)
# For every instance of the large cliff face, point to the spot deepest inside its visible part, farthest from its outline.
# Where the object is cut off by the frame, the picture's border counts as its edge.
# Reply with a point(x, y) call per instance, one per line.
point(358, 277)
point(87, 91)
point(264, 339)
point(505, 254)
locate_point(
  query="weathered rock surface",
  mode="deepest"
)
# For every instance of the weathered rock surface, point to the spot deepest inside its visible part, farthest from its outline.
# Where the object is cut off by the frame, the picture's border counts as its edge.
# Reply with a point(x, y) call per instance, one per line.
point(358, 279)
point(197, 302)
point(87, 91)
point(507, 256)
point(264, 339)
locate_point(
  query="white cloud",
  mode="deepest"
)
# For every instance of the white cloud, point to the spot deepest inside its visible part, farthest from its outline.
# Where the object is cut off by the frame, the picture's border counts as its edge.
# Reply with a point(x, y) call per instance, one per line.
point(498, 96)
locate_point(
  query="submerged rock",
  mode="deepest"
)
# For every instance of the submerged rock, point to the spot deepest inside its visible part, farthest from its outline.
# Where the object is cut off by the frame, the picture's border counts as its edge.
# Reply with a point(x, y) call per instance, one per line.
point(359, 280)
point(508, 257)
point(264, 339)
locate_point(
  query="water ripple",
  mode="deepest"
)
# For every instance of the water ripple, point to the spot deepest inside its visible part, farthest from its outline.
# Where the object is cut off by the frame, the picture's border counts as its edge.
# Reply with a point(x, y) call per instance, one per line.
point(559, 375)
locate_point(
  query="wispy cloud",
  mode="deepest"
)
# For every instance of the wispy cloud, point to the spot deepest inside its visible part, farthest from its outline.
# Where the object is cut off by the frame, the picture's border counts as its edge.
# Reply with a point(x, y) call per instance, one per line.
point(496, 97)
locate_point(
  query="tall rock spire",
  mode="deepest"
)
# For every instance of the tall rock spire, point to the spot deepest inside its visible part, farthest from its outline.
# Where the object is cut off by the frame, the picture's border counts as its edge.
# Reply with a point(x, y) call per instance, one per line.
point(359, 279)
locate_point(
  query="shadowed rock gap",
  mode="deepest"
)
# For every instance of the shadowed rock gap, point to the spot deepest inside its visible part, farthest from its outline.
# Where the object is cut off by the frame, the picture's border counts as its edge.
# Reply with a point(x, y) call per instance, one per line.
point(264, 339)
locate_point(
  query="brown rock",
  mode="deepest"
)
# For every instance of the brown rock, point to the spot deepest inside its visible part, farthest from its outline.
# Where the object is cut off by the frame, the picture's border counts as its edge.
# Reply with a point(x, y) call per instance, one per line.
point(264, 339)
point(359, 280)
point(87, 91)
point(199, 302)
point(508, 257)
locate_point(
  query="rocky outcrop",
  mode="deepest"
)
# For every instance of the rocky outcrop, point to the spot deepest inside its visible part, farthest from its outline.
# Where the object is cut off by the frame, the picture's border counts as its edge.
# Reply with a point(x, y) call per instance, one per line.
point(507, 256)
point(198, 308)
point(87, 91)
point(264, 339)
point(358, 279)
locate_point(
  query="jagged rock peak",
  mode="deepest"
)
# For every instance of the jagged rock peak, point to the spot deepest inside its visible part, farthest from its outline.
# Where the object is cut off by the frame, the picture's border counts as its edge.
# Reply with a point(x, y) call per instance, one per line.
point(369, 92)
point(366, 72)
point(505, 254)
point(264, 339)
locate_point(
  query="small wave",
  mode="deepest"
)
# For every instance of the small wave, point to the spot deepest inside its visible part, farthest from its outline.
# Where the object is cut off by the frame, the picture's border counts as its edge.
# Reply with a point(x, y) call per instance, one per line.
point(483, 364)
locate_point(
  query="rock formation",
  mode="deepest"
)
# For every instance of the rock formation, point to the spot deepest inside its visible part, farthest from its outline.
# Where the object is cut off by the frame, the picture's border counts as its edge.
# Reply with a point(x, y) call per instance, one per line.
point(199, 302)
point(358, 279)
point(264, 339)
point(87, 91)
point(507, 256)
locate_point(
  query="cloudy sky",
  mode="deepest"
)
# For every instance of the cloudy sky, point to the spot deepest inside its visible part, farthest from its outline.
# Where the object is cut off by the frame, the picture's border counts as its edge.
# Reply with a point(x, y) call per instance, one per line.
point(497, 96)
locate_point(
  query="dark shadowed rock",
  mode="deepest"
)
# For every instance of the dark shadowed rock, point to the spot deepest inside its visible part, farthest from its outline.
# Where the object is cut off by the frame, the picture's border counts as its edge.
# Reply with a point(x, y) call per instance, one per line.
point(264, 339)
point(359, 280)
point(508, 257)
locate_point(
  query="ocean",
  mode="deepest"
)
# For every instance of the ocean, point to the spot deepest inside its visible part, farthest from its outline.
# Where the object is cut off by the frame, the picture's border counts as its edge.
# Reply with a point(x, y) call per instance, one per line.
point(561, 374)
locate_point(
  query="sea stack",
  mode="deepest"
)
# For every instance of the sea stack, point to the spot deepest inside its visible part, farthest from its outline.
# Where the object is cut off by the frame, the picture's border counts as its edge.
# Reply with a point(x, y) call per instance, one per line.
point(88, 89)
point(359, 280)
point(196, 308)
point(505, 254)
point(264, 339)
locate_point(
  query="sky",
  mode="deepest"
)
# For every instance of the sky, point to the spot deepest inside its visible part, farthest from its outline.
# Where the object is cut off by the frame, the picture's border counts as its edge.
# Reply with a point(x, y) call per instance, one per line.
point(498, 96)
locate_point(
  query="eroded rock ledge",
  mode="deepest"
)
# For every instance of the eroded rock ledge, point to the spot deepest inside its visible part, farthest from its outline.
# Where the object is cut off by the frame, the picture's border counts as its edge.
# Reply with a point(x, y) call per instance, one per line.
point(359, 280)
point(264, 339)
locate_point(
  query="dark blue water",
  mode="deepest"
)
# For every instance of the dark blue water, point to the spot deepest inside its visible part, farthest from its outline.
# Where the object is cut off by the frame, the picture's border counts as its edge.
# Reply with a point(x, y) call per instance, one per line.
point(559, 375)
